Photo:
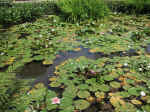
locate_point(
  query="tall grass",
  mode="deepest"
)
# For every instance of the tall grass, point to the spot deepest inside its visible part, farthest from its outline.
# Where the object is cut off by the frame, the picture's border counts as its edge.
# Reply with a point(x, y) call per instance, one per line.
point(78, 10)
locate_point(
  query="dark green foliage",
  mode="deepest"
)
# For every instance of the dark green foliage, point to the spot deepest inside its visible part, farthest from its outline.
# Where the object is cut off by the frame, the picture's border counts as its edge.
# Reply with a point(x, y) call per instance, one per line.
point(19, 12)
point(131, 6)
point(77, 10)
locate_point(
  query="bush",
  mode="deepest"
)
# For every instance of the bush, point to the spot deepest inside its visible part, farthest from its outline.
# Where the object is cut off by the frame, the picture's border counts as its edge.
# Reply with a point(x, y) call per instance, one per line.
point(19, 13)
point(139, 6)
point(78, 10)
point(130, 6)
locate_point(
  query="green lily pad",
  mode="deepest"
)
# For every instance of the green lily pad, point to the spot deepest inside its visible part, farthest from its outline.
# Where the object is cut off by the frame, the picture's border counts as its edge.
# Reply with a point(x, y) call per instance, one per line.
point(115, 84)
point(81, 104)
point(47, 62)
point(129, 81)
point(104, 88)
point(133, 91)
point(126, 87)
point(100, 94)
point(146, 108)
point(83, 94)
point(55, 84)
point(83, 86)
point(108, 78)
point(124, 94)
point(39, 57)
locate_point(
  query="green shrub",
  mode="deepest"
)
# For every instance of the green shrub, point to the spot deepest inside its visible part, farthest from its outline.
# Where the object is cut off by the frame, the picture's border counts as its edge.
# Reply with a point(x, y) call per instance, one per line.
point(139, 6)
point(130, 6)
point(19, 13)
point(77, 10)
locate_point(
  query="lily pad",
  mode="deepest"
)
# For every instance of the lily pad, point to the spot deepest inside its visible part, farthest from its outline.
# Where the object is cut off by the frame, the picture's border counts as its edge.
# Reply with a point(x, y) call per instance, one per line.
point(104, 88)
point(146, 108)
point(136, 102)
point(47, 62)
point(83, 94)
point(81, 104)
point(133, 91)
point(55, 84)
point(115, 84)
point(100, 95)
point(108, 78)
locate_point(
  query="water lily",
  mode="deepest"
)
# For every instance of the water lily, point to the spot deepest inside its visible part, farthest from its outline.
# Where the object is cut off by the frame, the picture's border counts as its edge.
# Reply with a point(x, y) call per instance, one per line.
point(143, 93)
point(2, 53)
point(92, 72)
point(54, 21)
point(55, 100)
point(148, 66)
point(53, 30)
point(102, 33)
point(140, 69)
point(40, 36)
point(125, 64)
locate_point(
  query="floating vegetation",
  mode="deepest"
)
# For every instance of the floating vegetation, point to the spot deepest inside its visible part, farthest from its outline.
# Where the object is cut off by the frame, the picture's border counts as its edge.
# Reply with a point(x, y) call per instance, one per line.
point(85, 67)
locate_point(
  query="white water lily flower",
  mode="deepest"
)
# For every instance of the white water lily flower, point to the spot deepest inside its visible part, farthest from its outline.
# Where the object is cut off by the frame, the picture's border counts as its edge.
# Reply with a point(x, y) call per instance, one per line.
point(140, 69)
point(34, 111)
point(54, 20)
point(148, 66)
point(129, 46)
point(40, 36)
point(143, 93)
point(53, 30)
point(2, 53)
point(115, 12)
point(125, 64)
point(110, 30)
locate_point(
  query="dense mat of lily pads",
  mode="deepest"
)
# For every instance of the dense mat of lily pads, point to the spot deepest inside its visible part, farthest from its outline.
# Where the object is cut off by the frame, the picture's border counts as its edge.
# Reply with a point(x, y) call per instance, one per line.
point(108, 84)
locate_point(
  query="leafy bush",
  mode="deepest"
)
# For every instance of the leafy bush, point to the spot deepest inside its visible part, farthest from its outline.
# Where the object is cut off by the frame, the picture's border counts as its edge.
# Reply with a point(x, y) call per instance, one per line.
point(131, 6)
point(19, 13)
point(77, 10)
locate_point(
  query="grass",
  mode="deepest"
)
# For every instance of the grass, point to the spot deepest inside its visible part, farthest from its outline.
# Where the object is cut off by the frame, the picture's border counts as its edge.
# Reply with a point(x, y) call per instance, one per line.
point(117, 84)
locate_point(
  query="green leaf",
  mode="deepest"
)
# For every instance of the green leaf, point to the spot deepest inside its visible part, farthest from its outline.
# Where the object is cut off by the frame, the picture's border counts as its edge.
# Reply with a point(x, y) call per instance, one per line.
point(55, 84)
point(81, 104)
point(38, 58)
point(108, 78)
point(104, 88)
point(146, 107)
point(115, 84)
point(83, 86)
point(83, 94)
point(133, 91)
point(47, 62)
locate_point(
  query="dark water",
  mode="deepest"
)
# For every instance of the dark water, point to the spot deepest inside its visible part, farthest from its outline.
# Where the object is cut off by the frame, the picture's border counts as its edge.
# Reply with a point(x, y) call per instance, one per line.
point(32, 70)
